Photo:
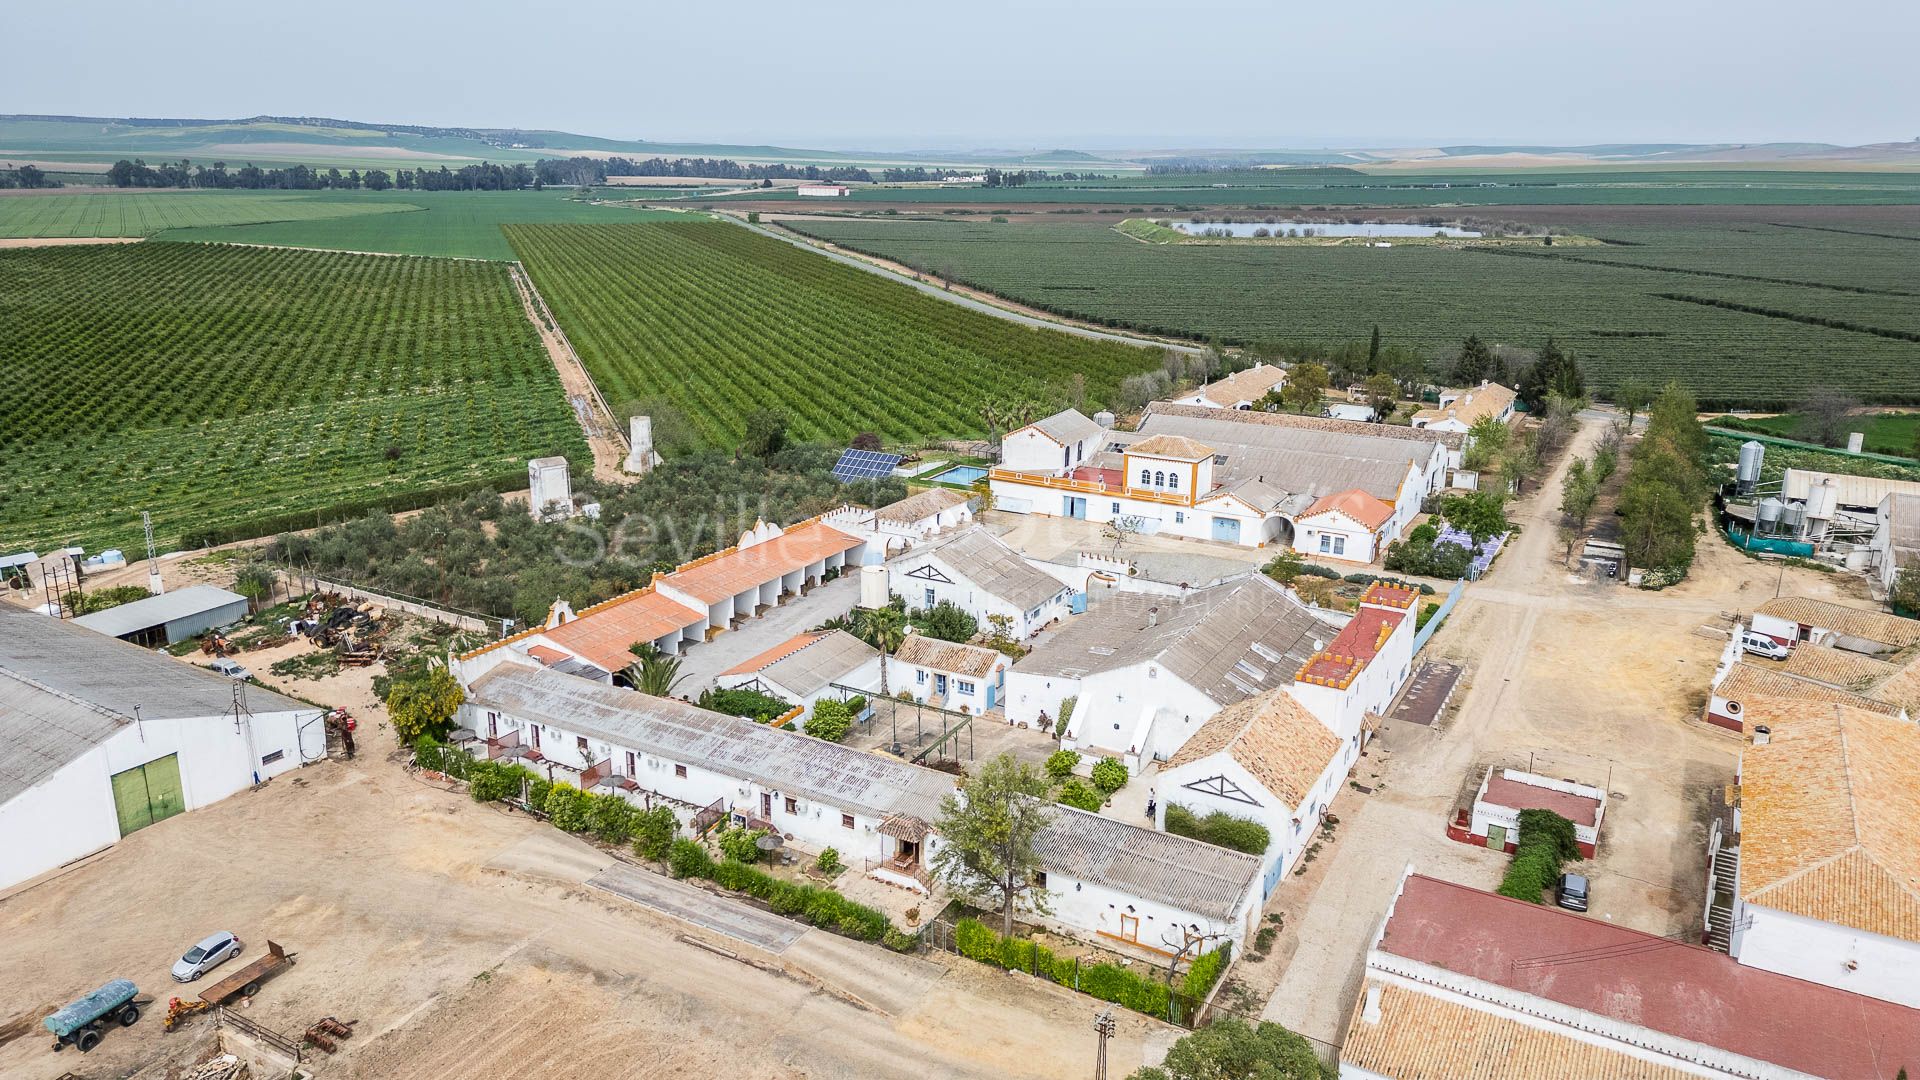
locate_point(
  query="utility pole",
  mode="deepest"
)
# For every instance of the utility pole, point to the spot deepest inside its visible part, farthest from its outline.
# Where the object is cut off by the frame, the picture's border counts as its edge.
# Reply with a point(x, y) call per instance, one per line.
point(154, 585)
point(1104, 1024)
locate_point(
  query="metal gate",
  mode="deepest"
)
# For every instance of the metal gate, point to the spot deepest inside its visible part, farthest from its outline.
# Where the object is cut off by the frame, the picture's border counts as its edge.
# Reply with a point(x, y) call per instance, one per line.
point(148, 793)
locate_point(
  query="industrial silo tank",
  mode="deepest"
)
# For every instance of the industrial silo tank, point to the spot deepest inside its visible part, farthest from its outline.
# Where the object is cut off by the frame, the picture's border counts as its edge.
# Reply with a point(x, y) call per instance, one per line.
point(1748, 472)
point(1767, 514)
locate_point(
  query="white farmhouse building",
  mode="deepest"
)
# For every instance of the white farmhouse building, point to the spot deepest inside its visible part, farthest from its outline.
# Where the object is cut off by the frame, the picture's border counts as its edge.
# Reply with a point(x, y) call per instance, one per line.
point(949, 675)
point(928, 514)
point(1362, 669)
point(1266, 759)
point(658, 751)
point(1827, 851)
point(1151, 890)
point(99, 738)
point(981, 575)
point(1239, 390)
point(1211, 474)
point(1461, 982)
point(1494, 820)
point(1147, 671)
point(1460, 408)
point(1896, 539)
point(806, 668)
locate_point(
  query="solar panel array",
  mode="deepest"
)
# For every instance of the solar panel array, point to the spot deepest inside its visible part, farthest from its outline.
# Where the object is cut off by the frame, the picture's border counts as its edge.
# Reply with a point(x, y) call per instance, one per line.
point(864, 465)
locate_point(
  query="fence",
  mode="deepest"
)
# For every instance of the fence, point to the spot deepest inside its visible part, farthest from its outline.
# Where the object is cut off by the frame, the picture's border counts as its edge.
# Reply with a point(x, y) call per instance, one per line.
point(1746, 541)
point(228, 1018)
point(1440, 616)
point(300, 581)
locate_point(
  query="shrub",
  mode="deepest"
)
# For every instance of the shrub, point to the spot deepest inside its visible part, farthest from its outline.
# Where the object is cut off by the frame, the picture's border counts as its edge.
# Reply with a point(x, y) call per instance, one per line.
point(945, 620)
point(1077, 794)
point(829, 862)
point(1061, 763)
point(1066, 714)
point(750, 704)
point(1427, 612)
point(653, 832)
point(856, 705)
point(1111, 982)
point(899, 940)
point(1316, 570)
point(1219, 828)
point(1109, 775)
point(1205, 971)
point(830, 720)
point(567, 807)
point(1546, 841)
point(741, 845)
point(688, 859)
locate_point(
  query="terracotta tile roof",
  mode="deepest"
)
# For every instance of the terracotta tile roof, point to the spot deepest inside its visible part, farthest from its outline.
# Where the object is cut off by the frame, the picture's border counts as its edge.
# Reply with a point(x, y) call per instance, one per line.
point(1830, 820)
point(1249, 385)
point(1746, 682)
point(545, 655)
point(1836, 667)
point(1067, 427)
point(778, 652)
point(1519, 795)
point(734, 571)
point(1273, 737)
point(1472, 404)
point(1902, 688)
point(1683, 991)
point(603, 632)
point(923, 650)
point(1349, 653)
point(1354, 503)
point(1851, 621)
point(922, 506)
point(1177, 447)
point(1423, 1037)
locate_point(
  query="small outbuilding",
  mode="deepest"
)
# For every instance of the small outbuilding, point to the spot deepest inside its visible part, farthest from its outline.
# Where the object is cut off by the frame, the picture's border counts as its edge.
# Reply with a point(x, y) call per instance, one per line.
point(1495, 818)
point(169, 617)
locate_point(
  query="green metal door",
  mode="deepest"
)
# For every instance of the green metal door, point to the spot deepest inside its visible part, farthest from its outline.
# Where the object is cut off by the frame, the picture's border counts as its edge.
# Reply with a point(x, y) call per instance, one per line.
point(1497, 837)
point(148, 793)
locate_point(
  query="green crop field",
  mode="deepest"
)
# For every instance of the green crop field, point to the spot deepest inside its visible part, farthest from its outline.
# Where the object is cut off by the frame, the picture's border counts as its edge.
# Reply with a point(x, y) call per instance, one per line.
point(1886, 433)
point(237, 391)
point(1746, 313)
point(1391, 188)
point(458, 224)
point(143, 213)
point(715, 321)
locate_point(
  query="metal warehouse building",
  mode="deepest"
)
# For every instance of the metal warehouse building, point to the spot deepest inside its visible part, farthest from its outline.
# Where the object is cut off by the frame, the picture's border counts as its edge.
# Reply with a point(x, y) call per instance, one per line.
point(169, 617)
point(99, 738)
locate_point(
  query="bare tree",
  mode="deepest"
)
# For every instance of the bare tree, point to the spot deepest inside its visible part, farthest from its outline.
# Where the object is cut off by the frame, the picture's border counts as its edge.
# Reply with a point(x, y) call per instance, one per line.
point(1824, 413)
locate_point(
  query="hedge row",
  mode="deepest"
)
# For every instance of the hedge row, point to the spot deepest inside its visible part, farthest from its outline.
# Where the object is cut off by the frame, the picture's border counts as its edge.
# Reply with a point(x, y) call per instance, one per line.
point(608, 818)
point(1218, 828)
point(1108, 982)
point(823, 908)
point(1546, 842)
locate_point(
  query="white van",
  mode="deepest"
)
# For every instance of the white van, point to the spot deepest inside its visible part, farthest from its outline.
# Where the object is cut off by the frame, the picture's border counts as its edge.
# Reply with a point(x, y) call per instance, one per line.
point(1762, 645)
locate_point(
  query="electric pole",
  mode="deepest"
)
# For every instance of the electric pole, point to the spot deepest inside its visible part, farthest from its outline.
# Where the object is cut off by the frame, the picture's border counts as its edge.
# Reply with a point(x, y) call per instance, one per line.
point(1104, 1024)
point(154, 585)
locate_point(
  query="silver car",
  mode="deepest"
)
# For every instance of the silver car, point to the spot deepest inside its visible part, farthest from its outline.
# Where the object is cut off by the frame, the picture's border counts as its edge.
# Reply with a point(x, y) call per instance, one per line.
point(214, 950)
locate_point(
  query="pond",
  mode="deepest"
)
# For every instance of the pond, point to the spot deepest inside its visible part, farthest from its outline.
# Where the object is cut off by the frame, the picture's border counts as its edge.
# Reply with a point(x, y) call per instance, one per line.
point(1321, 228)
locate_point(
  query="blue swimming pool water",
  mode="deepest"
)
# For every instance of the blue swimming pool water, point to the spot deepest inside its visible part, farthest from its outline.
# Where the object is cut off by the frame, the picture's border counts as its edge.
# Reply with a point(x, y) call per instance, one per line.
point(964, 475)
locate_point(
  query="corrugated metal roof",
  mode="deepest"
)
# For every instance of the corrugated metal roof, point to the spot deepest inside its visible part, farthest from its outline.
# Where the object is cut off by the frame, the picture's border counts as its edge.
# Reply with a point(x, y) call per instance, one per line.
point(1231, 641)
point(117, 676)
point(1067, 427)
point(1255, 418)
point(829, 659)
point(1299, 461)
point(41, 731)
point(984, 559)
point(1849, 490)
point(1172, 870)
point(915, 508)
point(160, 610)
point(785, 761)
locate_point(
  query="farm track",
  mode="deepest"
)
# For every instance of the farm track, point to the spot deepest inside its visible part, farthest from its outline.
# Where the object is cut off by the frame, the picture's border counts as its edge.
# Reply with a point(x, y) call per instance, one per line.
point(597, 422)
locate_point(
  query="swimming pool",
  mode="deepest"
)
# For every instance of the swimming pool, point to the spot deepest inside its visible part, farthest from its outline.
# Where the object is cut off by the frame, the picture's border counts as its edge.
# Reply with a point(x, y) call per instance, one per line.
point(963, 475)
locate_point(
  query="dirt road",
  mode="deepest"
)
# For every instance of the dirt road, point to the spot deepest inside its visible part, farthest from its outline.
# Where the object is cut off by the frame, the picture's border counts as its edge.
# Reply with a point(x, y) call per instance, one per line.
point(599, 425)
point(458, 936)
point(1594, 682)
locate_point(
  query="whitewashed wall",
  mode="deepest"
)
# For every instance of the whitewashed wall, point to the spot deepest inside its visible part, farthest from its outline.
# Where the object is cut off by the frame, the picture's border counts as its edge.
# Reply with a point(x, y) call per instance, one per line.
point(1820, 952)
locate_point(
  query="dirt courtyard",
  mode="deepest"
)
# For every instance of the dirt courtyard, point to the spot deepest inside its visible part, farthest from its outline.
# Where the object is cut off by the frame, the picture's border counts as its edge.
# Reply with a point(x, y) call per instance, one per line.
point(460, 939)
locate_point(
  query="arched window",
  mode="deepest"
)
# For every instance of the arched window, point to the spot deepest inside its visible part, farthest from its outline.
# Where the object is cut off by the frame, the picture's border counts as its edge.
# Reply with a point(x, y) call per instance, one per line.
point(1173, 481)
point(1159, 479)
point(1146, 477)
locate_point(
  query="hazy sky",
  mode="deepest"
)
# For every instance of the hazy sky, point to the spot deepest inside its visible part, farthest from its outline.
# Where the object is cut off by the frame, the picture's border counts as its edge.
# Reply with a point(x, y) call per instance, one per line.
point(997, 73)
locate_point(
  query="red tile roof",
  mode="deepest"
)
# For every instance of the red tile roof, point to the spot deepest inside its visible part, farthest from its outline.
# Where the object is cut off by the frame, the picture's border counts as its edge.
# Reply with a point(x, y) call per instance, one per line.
point(1682, 990)
point(1388, 594)
point(778, 652)
point(728, 573)
point(1113, 478)
point(603, 632)
point(545, 655)
point(1349, 652)
point(1356, 504)
point(1520, 796)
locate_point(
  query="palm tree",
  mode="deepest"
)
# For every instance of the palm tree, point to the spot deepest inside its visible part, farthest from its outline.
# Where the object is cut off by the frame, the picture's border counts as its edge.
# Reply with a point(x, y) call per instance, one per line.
point(884, 628)
point(655, 672)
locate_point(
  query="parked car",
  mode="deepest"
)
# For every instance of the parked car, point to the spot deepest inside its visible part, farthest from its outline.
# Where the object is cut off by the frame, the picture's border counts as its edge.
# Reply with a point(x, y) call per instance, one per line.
point(1571, 893)
point(230, 669)
point(213, 950)
point(1762, 645)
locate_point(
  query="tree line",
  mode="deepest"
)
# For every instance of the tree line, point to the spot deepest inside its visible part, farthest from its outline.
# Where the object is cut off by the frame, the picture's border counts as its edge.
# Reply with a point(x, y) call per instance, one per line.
point(184, 174)
point(26, 176)
point(581, 171)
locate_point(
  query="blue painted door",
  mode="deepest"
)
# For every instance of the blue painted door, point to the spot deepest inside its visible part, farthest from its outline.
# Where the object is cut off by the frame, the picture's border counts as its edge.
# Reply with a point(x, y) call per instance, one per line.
point(1227, 529)
point(1078, 602)
point(1272, 878)
point(993, 694)
point(940, 685)
point(1075, 507)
